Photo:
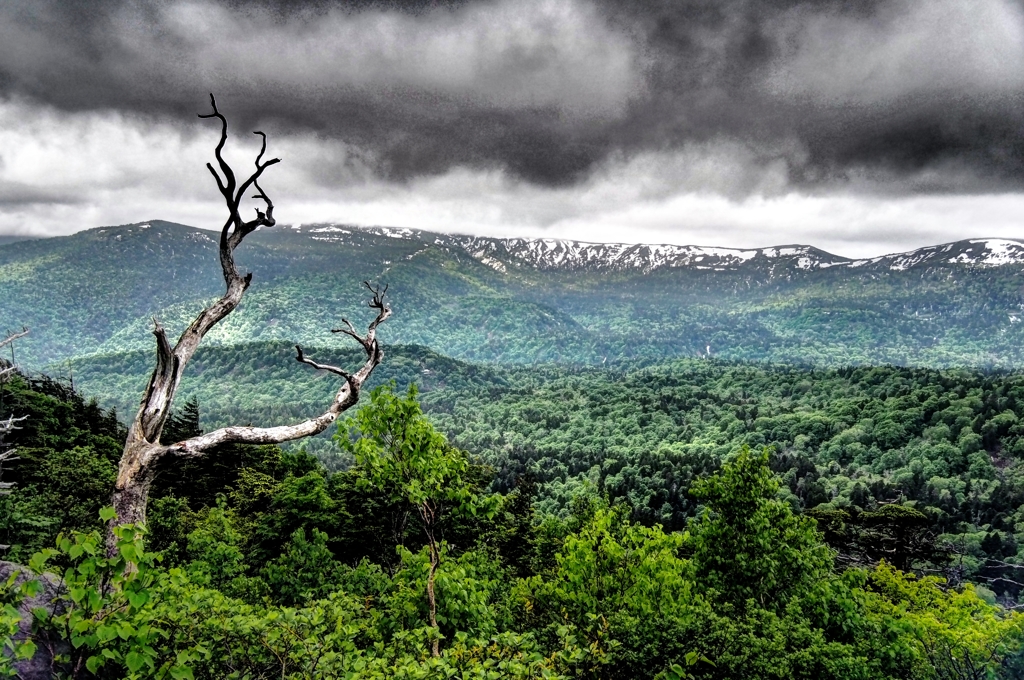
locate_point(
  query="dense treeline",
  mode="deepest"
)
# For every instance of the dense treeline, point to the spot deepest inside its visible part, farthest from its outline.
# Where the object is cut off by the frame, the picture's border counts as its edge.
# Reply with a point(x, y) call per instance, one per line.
point(270, 565)
point(848, 441)
point(67, 451)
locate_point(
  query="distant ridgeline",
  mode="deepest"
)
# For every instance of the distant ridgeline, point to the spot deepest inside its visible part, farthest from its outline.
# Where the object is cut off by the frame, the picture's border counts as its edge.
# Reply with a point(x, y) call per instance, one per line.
point(522, 300)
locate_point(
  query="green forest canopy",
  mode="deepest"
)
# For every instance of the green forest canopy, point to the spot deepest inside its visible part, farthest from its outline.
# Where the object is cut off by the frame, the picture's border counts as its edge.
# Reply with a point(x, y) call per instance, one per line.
point(272, 565)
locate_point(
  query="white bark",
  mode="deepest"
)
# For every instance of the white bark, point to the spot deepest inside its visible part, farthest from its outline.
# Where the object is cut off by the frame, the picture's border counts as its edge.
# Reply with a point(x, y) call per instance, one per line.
point(143, 450)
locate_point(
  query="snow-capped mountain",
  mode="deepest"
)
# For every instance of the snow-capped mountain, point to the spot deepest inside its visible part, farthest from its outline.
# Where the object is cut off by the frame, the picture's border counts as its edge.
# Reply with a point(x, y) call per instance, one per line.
point(643, 258)
point(518, 299)
point(507, 254)
point(981, 252)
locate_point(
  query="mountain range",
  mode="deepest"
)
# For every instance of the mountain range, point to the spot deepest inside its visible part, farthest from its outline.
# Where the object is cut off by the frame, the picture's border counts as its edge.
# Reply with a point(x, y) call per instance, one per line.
point(523, 300)
point(556, 254)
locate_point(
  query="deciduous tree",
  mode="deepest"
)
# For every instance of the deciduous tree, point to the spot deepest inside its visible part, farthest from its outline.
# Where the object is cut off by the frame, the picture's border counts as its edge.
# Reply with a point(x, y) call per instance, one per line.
point(401, 453)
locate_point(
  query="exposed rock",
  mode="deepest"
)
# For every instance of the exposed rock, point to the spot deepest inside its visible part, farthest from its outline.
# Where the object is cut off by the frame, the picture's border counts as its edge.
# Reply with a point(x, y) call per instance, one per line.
point(48, 646)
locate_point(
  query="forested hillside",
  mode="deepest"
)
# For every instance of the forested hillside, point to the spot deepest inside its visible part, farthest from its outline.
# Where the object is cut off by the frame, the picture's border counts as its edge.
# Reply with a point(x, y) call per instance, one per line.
point(525, 301)
point(946, 442)
point(270, 565)
point(577, 461)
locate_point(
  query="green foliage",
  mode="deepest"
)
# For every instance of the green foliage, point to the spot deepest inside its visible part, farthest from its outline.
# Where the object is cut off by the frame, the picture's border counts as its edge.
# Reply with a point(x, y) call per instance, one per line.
point(272, 565)
point(899, 534)
point(623, 590)
point(214, 553)
point(16, 646)
point(749, 546)
point(470, 588)
point(942, 442)
point(128, 618)
point(105, 611)
point(620, 601)
point(67, 460)
point(305, 570)
point(400, 452)
point(956, 634)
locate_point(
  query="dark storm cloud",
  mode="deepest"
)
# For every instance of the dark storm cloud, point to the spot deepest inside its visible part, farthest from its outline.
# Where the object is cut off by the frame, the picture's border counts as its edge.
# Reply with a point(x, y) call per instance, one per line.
point(908, 95)
point(14, 194)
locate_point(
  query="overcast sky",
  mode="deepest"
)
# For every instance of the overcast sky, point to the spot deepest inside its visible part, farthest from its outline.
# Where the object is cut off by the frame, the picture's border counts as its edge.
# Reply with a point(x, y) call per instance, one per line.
point(859, 127)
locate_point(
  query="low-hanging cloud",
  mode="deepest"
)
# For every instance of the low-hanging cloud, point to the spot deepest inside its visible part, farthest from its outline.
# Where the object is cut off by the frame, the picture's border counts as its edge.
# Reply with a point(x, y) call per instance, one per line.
point(533, 114)
point(524, 84)
point(548, 89)
point(68, 171)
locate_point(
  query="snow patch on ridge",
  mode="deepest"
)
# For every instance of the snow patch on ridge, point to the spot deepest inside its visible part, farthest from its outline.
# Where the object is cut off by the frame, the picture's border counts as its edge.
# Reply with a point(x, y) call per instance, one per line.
point(506, 254)
point(574, 255)
point(330, 229)
point(1001, 251)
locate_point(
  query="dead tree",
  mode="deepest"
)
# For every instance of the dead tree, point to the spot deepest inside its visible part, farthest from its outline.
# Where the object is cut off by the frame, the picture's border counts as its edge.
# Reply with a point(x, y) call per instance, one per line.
point(8, 454)
point(9, 340)
point(144, 453)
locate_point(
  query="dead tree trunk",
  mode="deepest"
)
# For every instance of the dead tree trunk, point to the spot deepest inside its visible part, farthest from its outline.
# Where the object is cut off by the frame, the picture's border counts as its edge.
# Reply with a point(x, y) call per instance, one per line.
point(143, 450)
point(8, 454)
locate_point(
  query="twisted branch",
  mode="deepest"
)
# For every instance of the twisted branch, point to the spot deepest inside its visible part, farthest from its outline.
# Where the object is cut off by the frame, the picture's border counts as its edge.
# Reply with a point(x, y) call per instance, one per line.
point(171, 361)
point(346, 397)
point(143, 448)
point(383, 312)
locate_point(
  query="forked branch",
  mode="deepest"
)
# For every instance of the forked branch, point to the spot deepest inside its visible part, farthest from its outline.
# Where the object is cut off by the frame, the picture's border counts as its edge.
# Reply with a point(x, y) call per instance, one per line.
point(171, 361)
point(10, 424)
point(235, 228)
point(383, 312)
point(347, 395)
point(143, 450)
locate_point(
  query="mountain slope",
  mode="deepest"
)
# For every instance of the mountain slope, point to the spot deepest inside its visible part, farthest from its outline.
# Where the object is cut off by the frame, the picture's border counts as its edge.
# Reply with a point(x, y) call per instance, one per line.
point(522, 300)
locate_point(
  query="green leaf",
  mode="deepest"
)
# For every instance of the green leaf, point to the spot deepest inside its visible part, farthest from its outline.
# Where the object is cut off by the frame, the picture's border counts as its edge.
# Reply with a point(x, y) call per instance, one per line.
point(134, 661)
point(94, 663)
point(138, 599)
point(181, 673)
point(106, 633)
point(26, 650)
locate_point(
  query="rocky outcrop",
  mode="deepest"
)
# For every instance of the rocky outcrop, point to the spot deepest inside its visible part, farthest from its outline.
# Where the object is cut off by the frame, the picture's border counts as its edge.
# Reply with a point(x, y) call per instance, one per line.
point(48, 646)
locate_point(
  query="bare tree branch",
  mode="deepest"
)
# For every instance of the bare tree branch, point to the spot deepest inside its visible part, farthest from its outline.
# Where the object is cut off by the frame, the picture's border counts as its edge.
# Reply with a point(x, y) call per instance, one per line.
point(143, 448)
point(9, 424)
point(383, 312)
point(228, 186)
point(9, 455)
point(347, 396)
point(301, 358)
point(14, 336)
point(171, 362)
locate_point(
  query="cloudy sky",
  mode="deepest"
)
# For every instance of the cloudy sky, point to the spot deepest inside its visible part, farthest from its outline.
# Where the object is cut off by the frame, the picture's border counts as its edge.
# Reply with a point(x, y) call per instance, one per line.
point(860, 127)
